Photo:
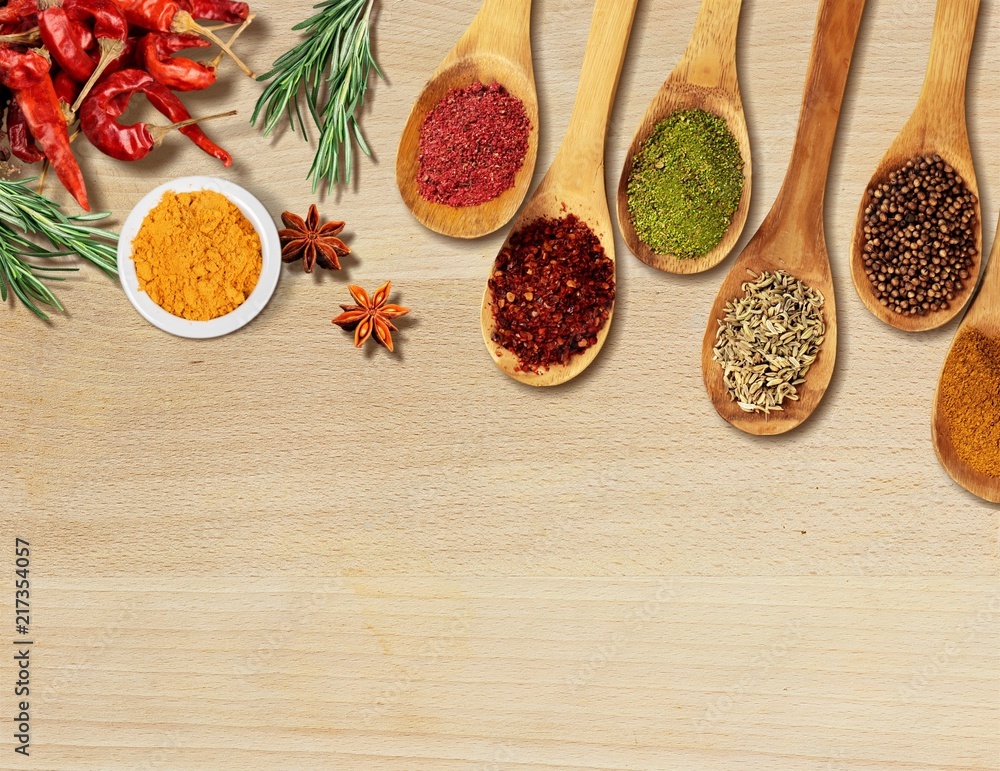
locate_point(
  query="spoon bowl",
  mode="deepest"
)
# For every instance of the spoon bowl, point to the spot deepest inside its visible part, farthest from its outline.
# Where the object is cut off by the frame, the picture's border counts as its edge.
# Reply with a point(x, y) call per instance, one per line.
point(775, 247)
point(551, 201)
point(704, 79)
point(984, 316)
point(937, 127)
point(495, 48)
point(574, 184)
point(792, 237)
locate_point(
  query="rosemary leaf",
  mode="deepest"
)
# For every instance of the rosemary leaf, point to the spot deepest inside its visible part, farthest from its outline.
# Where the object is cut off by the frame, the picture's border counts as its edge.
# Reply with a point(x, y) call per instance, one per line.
point(22, 277)
point(23, 213)
point(330, 69)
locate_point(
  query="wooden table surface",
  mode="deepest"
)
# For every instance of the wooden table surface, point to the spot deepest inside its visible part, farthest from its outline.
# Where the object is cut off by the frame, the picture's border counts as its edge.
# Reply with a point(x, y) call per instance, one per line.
point(275, 551)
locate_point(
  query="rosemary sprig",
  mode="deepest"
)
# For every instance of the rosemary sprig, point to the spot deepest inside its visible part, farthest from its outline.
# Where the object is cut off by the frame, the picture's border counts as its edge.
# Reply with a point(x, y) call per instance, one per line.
point(24, 213)
point(24, 278)
point(330, 68)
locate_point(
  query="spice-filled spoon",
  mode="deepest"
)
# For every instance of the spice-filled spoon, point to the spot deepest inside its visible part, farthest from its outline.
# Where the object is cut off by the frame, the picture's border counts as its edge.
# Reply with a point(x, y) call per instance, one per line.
point(688, 205)
point(966, 417)
point(550, 297)
point(915, 259)
point(443, 196)
point(767, 335)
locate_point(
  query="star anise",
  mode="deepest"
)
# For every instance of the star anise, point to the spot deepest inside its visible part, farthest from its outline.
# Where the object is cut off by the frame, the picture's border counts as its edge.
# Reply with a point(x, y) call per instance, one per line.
point(311, 242)
point(371, 315)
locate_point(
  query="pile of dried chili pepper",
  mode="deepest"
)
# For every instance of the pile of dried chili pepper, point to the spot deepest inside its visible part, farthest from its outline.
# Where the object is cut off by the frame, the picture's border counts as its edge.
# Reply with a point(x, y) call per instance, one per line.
point(64, 62)
point(551, 291)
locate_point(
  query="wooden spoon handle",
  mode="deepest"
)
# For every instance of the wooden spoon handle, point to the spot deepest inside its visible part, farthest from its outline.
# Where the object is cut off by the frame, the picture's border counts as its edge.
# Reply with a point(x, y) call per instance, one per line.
point(501, 27)
point(985, 307)
point(602, 64)
point(710, 58)
point(942, 99)
point(804, 187)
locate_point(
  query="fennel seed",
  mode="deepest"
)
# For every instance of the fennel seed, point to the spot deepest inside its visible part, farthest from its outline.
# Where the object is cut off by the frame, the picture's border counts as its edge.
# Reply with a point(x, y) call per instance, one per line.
point(768, 340)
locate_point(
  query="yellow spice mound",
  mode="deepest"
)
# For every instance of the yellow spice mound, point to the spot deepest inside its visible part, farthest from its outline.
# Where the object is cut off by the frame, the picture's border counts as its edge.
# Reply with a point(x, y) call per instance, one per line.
point(196, 255)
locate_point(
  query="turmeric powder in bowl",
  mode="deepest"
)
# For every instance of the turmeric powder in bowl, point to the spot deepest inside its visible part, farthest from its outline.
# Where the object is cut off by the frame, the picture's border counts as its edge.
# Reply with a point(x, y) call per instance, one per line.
point(196, 255)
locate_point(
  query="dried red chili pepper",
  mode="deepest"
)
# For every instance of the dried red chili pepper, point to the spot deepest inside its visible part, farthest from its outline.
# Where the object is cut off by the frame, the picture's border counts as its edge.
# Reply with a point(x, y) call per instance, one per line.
point(62, 40)
point(153, 15)
point(164, 100)
point(107, 102)
point(171, 16)
point(552, 291)
point(104, 17)
point(17, 10)
point(22, 143)
point(110, 31)
point(22, 70)
point(217, 10)
point(156, 51)
point(67, 39)
point(66, 88)
point(5, 99)
point(85, 35)
point(179, 73)
point(128, 60)
point(27, 75)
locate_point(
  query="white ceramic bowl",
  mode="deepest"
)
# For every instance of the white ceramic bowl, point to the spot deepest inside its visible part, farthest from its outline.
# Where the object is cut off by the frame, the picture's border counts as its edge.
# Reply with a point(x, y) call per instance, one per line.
point(258, 216)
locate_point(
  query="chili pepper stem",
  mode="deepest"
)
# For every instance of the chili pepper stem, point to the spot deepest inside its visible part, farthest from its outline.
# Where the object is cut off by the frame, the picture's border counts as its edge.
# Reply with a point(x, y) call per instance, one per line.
point(224, 25)
point(27, 38)
point(183, 22)
point(159, 132)
point(111, 49)
point(42, 176)
point(214, 63)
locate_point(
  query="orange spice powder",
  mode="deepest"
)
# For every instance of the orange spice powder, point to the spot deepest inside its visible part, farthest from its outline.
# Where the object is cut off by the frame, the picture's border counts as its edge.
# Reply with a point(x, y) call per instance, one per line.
point(969, 400)
point(196, 255)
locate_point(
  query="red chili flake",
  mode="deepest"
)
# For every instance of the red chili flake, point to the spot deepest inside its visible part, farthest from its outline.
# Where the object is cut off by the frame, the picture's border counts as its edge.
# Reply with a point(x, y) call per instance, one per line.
point(552, 290)
point(472, 144)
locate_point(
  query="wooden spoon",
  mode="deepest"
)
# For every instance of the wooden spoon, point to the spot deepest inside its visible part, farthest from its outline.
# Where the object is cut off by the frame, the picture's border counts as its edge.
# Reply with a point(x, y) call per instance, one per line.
point(983, 315)
point(936, 126)
point(495, 48)
point(574, 183)
point(791, 237)
point(704, 79)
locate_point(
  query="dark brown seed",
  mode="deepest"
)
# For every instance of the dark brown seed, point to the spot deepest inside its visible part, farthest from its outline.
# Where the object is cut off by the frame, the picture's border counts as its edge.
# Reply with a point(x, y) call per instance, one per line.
point(911, 258)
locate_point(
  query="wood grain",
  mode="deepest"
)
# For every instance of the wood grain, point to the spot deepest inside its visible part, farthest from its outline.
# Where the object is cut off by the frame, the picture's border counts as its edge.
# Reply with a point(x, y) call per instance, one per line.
point(468, 673)
point(272, 550)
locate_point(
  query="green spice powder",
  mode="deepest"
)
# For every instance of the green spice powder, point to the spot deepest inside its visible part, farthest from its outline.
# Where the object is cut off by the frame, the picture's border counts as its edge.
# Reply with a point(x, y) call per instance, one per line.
point(686, 184)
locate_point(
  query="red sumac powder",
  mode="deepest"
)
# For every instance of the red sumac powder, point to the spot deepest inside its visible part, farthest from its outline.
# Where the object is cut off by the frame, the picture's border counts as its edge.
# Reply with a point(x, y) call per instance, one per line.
point(472, 144)
point(552, 291)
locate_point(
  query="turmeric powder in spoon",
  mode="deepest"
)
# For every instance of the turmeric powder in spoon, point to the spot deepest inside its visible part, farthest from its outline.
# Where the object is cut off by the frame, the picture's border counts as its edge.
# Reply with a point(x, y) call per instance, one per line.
point(969, 400)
